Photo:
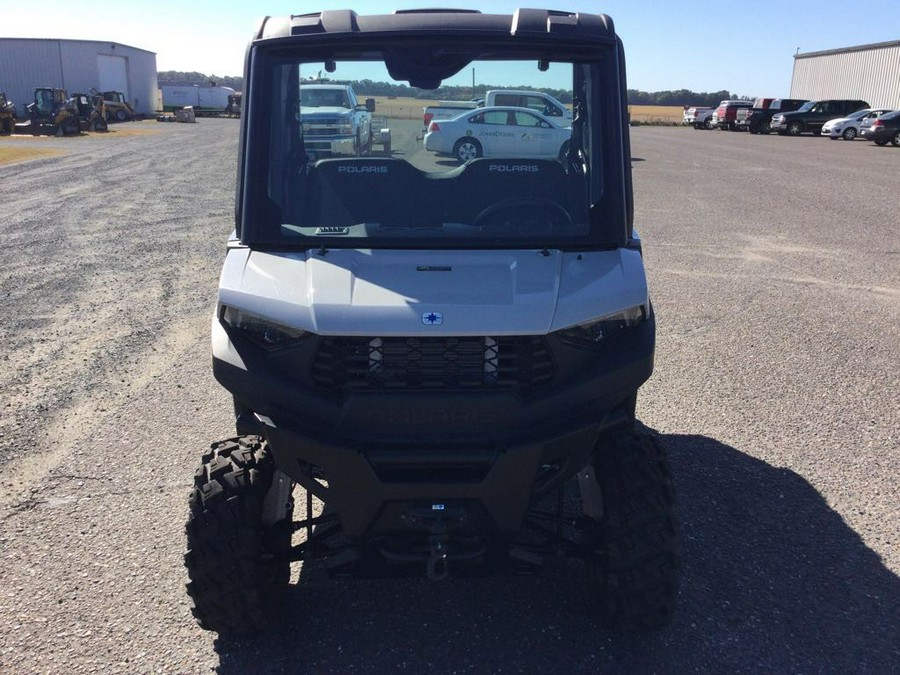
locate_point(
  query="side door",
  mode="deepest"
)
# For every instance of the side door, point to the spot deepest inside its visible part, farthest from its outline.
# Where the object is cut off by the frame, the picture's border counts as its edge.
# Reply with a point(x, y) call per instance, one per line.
point(543, 105)
point(822, 112)
point(534, 137)
point(496, 131)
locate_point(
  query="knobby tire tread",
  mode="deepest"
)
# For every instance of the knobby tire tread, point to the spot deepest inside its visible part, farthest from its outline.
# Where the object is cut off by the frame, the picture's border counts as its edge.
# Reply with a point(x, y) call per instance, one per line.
point(235, 580)
point(633, 576)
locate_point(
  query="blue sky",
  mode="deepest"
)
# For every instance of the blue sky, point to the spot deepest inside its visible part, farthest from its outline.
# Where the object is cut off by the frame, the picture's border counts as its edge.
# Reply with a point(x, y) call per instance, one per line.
point(745, 47)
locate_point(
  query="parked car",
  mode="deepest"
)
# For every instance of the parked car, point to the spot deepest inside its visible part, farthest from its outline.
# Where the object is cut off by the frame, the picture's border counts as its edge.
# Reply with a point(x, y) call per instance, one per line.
point(726, 113)
point(883, 129)
point(742, 115)
point(811, 116)
point(703, 118)
point(691, 113)
point(497, 131)
point(759, 120)
point(848, 127)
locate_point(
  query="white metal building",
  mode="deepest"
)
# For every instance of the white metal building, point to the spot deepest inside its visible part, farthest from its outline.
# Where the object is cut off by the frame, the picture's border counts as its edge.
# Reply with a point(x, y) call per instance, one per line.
point(867, 72)
point(77, 66)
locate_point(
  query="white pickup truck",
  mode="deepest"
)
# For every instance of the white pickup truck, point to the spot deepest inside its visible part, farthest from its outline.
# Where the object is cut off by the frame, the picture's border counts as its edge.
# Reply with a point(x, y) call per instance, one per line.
point(334, 122)
point(538, 101)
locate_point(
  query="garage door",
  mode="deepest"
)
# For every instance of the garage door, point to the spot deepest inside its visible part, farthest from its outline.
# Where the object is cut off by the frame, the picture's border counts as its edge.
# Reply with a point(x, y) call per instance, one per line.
point(113, 74)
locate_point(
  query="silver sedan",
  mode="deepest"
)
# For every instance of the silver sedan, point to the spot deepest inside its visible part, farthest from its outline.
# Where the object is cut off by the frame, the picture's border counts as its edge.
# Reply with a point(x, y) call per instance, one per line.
point(497, 132)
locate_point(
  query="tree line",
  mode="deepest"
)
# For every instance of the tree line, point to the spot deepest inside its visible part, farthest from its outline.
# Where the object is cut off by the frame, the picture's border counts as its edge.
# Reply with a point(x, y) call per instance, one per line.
point(182, 79)
point(678, 97)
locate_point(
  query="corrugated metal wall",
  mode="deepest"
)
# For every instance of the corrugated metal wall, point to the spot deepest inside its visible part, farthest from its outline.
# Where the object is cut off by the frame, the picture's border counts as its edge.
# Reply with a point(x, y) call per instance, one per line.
point(72, 65)
point(872, 75)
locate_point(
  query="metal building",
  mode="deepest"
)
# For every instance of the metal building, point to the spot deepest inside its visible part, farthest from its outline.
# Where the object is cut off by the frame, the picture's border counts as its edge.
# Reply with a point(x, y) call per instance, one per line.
point(867, 72)
point(77, 66)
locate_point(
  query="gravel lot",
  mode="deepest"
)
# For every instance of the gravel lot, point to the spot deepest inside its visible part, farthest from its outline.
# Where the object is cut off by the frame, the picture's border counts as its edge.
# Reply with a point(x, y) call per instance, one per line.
point(775, 270)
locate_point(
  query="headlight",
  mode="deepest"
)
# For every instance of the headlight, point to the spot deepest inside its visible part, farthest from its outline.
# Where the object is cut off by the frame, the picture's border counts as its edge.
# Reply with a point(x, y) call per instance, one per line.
point(263, 332)
point(595, 332)
point(345, 129)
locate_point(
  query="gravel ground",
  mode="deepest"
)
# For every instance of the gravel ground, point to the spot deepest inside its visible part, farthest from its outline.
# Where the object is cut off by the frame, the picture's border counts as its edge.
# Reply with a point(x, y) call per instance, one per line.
point(774, 268)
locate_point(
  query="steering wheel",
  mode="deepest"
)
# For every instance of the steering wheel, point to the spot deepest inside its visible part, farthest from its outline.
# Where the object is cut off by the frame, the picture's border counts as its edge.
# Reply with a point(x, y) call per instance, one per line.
point(524, 213)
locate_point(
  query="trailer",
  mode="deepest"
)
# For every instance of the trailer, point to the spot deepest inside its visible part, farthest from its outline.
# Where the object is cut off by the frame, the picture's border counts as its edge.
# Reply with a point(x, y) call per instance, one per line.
point(210, 101)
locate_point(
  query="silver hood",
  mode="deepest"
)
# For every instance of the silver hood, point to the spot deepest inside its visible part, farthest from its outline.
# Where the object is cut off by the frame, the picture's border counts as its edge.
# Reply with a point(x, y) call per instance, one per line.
point(392, 292)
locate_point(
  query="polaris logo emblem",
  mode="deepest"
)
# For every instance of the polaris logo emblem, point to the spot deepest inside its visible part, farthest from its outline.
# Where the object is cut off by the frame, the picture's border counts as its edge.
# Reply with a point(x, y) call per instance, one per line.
point(366, 168)
point(516, 168)
point(432, 318)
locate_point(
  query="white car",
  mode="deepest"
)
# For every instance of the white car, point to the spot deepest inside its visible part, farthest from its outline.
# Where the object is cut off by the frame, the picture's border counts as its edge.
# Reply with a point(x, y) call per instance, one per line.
point(497, 132)
point(848, 127)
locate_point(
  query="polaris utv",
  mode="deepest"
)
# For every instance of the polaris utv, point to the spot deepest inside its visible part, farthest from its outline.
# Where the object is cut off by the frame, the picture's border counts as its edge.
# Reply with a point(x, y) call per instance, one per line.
point(439, 361)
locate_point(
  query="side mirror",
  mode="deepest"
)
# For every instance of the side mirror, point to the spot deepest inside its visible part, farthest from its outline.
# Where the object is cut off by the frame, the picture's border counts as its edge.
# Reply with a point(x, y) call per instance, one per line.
point(370, 105)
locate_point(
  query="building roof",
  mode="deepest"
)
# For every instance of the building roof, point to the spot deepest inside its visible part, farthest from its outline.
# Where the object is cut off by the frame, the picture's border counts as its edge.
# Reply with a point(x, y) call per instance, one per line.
point(111, 43)
point(845, 50)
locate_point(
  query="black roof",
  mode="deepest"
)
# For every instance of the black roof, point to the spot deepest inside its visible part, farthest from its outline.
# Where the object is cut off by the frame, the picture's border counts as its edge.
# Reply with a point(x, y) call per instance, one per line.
point(524, 22)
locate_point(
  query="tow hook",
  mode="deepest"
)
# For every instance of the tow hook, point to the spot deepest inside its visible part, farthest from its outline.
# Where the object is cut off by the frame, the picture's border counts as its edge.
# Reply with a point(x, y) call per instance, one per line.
point(436, 567)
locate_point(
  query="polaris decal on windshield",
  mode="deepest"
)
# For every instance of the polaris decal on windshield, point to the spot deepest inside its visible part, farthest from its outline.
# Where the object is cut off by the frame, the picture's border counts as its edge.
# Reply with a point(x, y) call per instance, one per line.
point(515, 168)
point(366, 168)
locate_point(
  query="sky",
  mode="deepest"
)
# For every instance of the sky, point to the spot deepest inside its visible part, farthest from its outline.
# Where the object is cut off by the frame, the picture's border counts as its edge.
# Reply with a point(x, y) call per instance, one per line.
point(745, 48)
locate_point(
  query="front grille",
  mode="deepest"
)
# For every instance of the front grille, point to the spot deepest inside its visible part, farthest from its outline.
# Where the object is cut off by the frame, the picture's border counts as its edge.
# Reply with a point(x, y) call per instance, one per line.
point(347, 364)
point(324, 127)
point(322, 131)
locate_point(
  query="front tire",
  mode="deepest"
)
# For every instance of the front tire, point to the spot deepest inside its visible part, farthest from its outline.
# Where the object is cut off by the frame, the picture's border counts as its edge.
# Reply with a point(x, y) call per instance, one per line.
point(794, 129)
point(121, 115)
point(236, 566)
point(895, 141)
point(467, 149)
point(632, 578)
point(849, 134)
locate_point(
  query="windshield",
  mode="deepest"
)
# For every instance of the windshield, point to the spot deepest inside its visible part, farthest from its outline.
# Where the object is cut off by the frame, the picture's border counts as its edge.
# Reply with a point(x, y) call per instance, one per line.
point(346, 155)
point(806, 107)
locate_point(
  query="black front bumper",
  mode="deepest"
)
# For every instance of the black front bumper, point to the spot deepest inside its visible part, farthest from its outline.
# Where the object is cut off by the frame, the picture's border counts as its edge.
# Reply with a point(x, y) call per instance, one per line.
point(385, 453)
point(373, 490)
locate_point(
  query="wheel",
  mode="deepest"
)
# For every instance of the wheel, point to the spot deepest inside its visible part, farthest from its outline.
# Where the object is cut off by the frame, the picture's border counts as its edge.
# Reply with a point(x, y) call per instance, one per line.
point(881, 142)
point(753, 130)
point(765, 128)
point(895, 140)
point(632, 578)
point(121, 115)
point(817, 132)
point(232, 560)
point(708, 125)
point(466, 149)
point(849, 134)
point(794, 129)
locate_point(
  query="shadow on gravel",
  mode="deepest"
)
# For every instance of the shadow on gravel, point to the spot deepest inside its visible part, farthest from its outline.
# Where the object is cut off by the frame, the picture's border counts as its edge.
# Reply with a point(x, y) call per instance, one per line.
point(773, 580)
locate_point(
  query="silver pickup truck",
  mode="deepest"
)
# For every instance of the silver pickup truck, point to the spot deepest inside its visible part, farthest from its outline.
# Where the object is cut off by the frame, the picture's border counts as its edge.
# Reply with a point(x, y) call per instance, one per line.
point(334, 122)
